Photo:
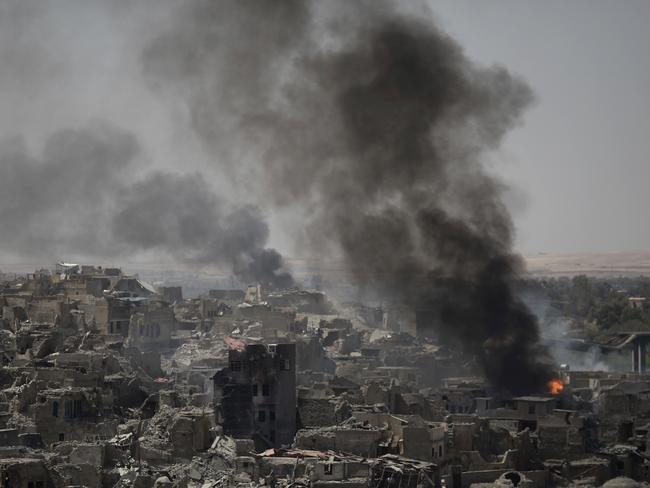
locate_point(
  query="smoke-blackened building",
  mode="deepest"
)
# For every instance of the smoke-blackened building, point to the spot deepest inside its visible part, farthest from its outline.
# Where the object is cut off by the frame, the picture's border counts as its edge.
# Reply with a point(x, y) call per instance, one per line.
point(255, 396)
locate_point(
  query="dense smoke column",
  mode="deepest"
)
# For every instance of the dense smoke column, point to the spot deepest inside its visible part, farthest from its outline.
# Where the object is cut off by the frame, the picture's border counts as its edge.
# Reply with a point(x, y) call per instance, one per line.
point(376, 123)
point(264, 266)
point(446, 245)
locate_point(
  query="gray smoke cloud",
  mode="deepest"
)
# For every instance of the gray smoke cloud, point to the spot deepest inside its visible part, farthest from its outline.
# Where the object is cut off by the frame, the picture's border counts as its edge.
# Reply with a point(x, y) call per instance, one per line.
point(183, 216)
point(212, 48)
point(363, 117)
point(78, 190)
point(83, 196)
point(60, 201)
point(374, 122)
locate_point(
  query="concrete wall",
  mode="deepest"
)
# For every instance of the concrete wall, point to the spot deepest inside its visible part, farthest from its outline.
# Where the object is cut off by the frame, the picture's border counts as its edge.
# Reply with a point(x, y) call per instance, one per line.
point(315, 439)
point(338, 471)
point(8, 437)
point(189, 435)
point(24, 472)
point(271, 319)
point(151, 329)
point(464, 436)
point(45, 310)
point(358, 441)
point(417, 443)
point(540, 478)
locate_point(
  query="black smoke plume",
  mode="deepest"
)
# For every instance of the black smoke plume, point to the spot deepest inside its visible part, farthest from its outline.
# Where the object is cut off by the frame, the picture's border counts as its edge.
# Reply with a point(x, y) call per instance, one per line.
point(83, 196)
point(376, 124)
point(182, 215)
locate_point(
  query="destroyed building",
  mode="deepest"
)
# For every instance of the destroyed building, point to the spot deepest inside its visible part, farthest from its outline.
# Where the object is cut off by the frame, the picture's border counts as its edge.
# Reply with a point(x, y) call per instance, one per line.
point(131, 387)
point(256, 394)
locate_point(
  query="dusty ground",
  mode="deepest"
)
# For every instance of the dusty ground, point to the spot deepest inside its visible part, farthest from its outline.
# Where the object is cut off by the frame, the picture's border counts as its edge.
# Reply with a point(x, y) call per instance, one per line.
point(541, 264)
point(593, 264)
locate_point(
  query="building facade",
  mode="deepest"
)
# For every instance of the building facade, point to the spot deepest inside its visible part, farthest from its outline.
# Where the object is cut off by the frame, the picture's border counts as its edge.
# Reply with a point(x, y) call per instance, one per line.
point(256, 394)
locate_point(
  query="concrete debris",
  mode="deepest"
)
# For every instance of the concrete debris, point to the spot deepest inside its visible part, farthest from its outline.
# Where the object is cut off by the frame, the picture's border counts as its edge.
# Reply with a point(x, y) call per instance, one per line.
point(108, 381)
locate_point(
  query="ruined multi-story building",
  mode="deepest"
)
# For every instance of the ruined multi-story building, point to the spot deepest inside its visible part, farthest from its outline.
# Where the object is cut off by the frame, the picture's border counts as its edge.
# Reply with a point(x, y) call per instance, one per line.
point(256, 394)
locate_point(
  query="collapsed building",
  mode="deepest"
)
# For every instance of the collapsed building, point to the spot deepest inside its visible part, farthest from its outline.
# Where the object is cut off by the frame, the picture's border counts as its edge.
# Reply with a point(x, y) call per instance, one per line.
point(135, 385)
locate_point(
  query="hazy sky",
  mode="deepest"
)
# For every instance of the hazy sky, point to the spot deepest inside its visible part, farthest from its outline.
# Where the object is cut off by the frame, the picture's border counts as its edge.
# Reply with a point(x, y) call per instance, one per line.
point(578, 166)
point(582, 159)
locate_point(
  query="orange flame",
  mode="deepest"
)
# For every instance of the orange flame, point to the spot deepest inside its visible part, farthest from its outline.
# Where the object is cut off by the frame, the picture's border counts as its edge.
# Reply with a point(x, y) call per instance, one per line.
point(555, 387)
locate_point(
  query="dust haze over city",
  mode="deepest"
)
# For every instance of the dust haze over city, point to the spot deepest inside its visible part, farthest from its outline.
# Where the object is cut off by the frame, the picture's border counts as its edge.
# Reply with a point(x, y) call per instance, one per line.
point(314, 243)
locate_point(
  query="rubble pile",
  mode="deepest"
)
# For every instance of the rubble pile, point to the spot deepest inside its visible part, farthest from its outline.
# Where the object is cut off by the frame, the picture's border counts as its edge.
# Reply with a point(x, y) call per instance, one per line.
point(108, 381)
